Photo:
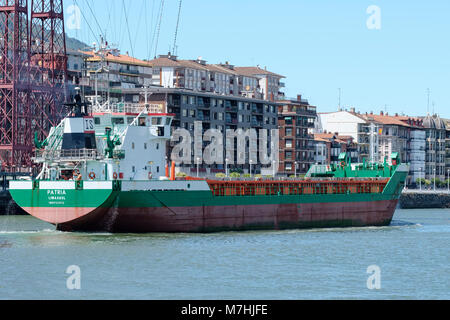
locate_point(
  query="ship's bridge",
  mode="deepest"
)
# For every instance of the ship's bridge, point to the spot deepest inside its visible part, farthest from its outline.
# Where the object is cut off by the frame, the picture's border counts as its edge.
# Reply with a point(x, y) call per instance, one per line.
point(122, 115)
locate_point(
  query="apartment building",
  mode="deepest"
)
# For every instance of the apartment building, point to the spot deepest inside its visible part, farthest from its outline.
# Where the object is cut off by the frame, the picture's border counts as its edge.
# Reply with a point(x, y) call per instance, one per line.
point(436, 133)
point(380, 135)
point(269, 82)
point(330, 145)
point(224, 79)
point(296, 119)
point(416, 153)
point(109, 72)
point(219, 112)
point(351, 124)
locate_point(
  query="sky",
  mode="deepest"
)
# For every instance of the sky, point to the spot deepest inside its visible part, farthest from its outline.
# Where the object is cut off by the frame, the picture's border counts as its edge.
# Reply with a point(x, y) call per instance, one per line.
point(384, 55)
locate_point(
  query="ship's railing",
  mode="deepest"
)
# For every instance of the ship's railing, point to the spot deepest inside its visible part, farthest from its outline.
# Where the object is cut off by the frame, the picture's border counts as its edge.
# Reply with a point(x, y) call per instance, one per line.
point(276, 188)
point(68, 155)
point(318, 169)
point(133, 108)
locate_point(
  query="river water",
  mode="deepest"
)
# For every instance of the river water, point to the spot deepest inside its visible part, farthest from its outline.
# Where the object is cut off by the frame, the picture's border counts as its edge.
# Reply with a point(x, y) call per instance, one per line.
point(412, 255)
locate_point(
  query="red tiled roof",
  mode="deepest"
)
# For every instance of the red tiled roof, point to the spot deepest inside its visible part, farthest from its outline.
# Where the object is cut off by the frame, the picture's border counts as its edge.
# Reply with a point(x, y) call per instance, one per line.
point(252, 71)
point(120, 58)
point(164, 62)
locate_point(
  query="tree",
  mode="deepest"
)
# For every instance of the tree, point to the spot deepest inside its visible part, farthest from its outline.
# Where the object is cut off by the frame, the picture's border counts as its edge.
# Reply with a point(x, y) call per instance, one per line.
point(421, 181)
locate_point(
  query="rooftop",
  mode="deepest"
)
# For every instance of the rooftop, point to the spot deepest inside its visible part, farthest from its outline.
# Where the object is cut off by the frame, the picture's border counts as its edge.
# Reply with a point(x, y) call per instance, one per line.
point(116, 57)
point(255, 71)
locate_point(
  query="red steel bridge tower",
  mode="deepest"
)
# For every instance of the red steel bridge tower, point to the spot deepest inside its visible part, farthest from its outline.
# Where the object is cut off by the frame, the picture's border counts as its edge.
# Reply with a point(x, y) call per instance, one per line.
point(33, 66)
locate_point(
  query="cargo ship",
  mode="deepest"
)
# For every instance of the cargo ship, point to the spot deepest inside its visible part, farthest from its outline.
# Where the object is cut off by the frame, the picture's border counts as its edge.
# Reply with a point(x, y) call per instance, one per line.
point(104, 168)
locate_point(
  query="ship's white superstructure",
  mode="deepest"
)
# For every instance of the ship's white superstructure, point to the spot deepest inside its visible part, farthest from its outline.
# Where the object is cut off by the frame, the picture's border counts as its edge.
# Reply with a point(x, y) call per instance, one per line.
point(110, 142)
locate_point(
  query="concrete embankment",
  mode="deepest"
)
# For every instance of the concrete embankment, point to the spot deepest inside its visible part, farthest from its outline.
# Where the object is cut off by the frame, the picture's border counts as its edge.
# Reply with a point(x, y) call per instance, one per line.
point(425, 200)
point(8, 206)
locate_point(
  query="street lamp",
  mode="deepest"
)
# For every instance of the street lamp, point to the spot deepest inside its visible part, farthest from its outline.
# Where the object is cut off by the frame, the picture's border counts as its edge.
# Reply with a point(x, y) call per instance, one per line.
point(295, 164)
point(198, 163)
point(226, 167)
point(434, 179)
point(420, 179)
point(273, 167)
point(251, 162)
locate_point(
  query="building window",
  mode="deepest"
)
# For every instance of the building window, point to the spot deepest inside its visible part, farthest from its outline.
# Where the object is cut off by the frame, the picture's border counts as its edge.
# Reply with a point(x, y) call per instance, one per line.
point(288, 120)
point(288, 131)
point(289, 143)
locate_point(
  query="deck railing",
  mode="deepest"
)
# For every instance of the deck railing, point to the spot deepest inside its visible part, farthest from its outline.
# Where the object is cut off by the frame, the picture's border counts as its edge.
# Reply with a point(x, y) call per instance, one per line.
point(132, 108)
point(69, 155)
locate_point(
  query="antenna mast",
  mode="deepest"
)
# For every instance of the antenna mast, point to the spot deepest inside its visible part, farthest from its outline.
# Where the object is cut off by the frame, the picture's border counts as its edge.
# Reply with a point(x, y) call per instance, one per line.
point(176, 29)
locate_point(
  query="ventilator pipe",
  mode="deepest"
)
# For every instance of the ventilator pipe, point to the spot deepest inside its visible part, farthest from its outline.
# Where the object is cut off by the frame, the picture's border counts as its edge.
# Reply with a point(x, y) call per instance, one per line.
point(172, 172)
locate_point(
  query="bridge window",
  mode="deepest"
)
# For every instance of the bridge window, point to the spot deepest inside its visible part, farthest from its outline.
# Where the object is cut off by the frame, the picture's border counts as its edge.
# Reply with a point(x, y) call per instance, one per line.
point(117, 121)
point(156, 121)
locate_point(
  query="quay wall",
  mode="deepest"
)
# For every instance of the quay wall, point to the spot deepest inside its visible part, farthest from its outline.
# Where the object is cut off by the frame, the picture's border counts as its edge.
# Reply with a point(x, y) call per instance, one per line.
point(425, 200)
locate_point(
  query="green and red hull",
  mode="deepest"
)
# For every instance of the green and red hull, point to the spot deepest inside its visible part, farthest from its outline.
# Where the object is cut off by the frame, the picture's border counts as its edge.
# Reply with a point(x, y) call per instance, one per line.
point(197, 206)
point(198, 211)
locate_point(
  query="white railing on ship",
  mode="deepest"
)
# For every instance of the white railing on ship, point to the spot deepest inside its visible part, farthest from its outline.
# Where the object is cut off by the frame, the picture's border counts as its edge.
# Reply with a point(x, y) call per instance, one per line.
point(76, 154)
point(133, 108)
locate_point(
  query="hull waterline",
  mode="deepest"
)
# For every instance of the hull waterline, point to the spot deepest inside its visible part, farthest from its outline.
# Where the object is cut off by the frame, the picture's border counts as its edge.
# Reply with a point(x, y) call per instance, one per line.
point(235, 218)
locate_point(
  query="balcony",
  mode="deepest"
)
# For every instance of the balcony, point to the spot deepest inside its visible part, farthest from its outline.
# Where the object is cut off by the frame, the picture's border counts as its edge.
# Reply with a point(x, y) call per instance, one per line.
point(133, 72)
point(204, 118)
point(232, 121)
point(231, 109)
point(256, 123)
point(257, 110)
